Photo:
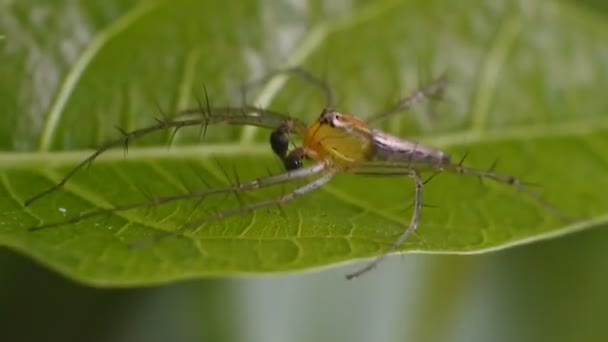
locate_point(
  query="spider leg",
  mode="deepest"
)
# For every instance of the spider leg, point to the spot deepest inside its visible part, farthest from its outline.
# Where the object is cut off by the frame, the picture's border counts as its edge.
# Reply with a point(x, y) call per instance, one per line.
point(157, 201)
point(304, 75)
point(419, 184)
point(520, 185)
point(308, 187)
point(424, 92)
point(248, 115)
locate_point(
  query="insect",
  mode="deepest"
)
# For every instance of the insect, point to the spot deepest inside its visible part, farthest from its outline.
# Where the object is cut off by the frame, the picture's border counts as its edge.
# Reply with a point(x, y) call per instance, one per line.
point(334, 143)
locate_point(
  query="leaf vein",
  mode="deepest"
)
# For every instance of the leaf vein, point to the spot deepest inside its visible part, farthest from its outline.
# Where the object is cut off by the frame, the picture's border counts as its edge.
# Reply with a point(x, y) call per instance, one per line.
point(78, 68)
point(495, 59)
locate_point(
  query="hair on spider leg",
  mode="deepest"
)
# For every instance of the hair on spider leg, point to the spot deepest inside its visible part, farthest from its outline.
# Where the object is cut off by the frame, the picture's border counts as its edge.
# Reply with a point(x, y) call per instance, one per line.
point(279, 205)
point(423, 205)
point(126, 141)
point(161, 111)
point(424, 182)
point(193, 193)
point(268, 171)
point(490, 169)
point(205, 113)
point(431, 177)
point(196, 171)
point(233, 183)
point(145, 192)
point(195, 175)
point(461, 165)
point(463, 158)
point(196, 207)
point(235, 174)
point(164, 120)
point(172, 137)
point(237, 184)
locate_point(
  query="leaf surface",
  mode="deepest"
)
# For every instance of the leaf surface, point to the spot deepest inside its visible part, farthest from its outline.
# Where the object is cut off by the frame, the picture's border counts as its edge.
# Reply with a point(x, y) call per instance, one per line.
point(526, 87)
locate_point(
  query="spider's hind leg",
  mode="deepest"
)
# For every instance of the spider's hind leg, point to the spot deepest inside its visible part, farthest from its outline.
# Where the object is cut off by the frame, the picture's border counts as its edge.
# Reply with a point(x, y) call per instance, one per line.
point(513, 181)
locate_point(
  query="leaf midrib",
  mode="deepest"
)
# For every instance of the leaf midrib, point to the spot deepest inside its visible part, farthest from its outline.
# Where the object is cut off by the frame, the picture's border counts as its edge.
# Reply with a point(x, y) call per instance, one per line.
point(446, 141)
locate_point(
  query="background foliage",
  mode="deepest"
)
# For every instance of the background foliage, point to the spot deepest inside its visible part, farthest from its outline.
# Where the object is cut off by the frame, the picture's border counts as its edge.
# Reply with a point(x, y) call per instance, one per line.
point(526, 87)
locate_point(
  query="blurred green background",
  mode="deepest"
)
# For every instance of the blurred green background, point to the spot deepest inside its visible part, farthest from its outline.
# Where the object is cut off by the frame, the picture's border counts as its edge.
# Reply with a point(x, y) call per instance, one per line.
point(548, 291)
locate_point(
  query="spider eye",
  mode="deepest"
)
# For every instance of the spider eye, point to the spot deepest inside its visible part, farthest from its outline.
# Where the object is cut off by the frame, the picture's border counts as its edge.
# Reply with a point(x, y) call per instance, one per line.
point(337, 120)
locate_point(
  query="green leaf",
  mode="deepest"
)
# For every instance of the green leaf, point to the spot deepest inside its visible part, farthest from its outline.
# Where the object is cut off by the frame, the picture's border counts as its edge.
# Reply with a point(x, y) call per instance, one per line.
point(526, 87)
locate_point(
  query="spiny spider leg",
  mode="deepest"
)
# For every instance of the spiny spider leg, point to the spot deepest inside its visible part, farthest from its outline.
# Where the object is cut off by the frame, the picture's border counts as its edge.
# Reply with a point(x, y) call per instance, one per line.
point(305, 75)
point(396, 168)
point(419, 184)
point(308, 187)
point(244, 115)
point(424, 92)
point(157, 201)
point(248, 115)
point(513, 181)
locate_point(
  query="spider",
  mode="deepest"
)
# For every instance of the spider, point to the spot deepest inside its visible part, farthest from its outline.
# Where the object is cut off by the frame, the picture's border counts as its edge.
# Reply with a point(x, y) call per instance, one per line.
point(334, 143)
